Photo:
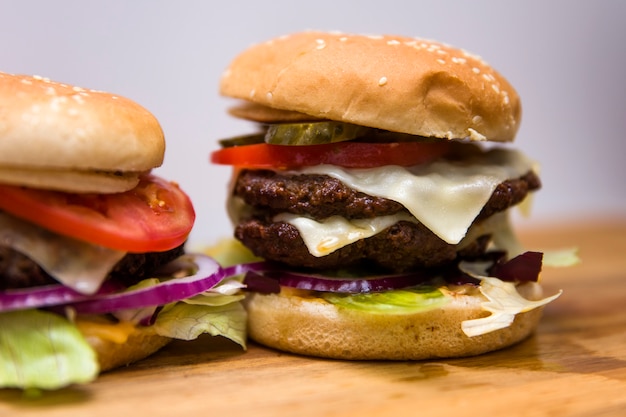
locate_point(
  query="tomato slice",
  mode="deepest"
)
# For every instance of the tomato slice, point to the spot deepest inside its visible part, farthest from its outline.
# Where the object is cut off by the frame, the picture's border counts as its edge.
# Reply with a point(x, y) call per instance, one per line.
point(345, 154)
point(155, 216)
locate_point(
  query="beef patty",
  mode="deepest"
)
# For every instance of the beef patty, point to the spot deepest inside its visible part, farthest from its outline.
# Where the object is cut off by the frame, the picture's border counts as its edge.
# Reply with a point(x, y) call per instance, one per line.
point(401, 247)
point(19, 271)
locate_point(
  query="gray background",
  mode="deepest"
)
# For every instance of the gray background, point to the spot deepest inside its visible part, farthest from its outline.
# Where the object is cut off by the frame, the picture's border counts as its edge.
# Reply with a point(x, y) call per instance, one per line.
point(567, 60)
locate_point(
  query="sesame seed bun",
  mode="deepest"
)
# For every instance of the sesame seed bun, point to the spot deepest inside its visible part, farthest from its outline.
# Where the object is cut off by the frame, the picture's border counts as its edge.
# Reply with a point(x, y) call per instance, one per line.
point(59, 136)
point(394, 83)
point(314, 327)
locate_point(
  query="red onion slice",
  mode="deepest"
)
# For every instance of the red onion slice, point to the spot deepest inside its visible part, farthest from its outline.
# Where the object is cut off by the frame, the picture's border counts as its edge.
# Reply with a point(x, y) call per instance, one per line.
point(523, 268)
point(209, 274)
point(47, 296)
point(109, 298)
point(349, 285)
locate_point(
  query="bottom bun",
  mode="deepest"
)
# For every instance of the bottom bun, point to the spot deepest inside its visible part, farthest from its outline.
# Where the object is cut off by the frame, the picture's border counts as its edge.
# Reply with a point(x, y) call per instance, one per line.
point(69, 180)
point(141, 343)
point(311, 326)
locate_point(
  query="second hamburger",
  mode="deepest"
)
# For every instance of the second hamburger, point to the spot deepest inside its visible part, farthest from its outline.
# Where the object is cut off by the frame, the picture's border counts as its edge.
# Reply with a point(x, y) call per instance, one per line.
point(93, 274)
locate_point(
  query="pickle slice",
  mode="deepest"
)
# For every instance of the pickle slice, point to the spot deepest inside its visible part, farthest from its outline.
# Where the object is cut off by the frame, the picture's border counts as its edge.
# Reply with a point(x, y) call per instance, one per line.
point(314, 133)
point(242, 140)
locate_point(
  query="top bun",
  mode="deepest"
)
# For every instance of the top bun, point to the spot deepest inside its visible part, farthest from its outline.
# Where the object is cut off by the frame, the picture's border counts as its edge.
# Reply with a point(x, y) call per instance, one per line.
point(394, 83)
point(50, 127)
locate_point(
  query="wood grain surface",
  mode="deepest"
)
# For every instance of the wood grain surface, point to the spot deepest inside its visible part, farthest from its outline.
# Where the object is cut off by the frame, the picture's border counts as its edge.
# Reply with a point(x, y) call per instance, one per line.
point(575, 364)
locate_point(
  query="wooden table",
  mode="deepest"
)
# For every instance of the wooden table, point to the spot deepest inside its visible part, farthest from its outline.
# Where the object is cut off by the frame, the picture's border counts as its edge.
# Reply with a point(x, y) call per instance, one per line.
point(575, 365)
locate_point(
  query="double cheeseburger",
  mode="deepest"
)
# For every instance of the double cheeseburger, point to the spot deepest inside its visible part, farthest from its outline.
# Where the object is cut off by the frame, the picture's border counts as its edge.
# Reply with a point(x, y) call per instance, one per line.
point(90, 239)
point(372, 193)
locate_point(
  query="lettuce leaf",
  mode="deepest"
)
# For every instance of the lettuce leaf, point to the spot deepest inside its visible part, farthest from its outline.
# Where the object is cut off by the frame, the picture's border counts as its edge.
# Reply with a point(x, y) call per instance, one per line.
point(229, 251)
point(42, 350)
point(406, 301)
point(188, 321)
point(561, 258)
point(504, 304)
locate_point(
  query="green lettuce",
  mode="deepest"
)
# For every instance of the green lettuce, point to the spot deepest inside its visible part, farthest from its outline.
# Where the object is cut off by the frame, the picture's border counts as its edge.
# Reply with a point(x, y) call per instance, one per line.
point(188, 321)
point(42, 350)
point(405, 301)
point(217, 311)
point(504, 302)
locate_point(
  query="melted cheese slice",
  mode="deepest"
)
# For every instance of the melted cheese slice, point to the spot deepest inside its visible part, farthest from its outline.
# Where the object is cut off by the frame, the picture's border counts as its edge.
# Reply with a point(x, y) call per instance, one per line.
point(114, 332)
point(445, 195)
point(322, 238)
point(76, 264)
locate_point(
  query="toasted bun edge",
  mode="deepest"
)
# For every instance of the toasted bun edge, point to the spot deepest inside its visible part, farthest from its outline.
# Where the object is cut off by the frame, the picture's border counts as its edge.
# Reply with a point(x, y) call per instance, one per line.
point(313, 327)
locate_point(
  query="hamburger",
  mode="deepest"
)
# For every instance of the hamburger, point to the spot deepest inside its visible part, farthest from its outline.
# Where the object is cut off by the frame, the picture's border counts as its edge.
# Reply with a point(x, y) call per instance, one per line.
point(93, 272)
point(378, 189)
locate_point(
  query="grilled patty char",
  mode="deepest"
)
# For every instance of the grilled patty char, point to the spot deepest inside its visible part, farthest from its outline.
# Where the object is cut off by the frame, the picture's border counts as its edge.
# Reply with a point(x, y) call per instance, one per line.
point(401, 247)
point(321, 196)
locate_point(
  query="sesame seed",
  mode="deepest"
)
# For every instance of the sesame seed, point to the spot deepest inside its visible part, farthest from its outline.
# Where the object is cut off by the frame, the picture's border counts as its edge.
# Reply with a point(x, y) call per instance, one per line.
point(382, 81)
point(393, 42)
point(470, 55)
point(321, 44)
point(77, 89)
point(252, 93)
point(476, 70)
point(269, 95)
point(25, 81)
point(343, 39)
point(505, 100)
point(441, 61)
point(495, 88)
point(476, 120)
